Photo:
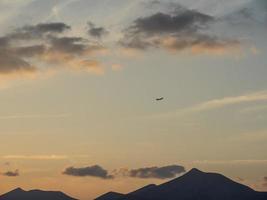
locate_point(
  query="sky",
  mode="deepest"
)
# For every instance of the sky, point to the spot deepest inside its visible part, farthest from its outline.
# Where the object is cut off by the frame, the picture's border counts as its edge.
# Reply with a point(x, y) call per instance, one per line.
point(79, 81)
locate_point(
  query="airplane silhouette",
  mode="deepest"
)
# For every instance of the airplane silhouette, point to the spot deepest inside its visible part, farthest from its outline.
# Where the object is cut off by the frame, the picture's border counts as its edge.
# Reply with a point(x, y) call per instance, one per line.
point(160, 99)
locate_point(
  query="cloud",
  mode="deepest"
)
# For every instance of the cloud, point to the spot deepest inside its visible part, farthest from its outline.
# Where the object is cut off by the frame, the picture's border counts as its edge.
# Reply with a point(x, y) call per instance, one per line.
point(165, 172)
point(157, 172)
point(31, 49)
point(252, 12)
point(94, 171)
point(160, 23)
point(38, 31)
point(97, 32)
point(92, 66)
point(34, 116)
point(11, 173)
point(181, 30)
point(200, 44)
point(213, 104)
point(4, 41)
point(265, 181)
point(14, 64)
point(69, 45)
point(36, 157)
point(229, 162)
point(254, 109)
point(227, 101)
point(152, 3)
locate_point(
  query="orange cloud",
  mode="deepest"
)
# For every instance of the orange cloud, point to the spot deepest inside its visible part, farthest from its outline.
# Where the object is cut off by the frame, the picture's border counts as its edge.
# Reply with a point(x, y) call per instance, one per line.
point(173, 44)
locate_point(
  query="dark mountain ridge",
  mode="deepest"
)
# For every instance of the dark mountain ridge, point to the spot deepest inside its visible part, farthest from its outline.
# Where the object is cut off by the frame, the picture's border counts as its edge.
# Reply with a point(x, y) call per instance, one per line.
point(110, 196)
point(195, 185)
point(20, 194)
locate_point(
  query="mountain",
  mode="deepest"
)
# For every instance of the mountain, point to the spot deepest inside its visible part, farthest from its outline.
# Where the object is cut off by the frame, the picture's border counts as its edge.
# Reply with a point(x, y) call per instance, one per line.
point(20, 194)
point(143, 189)
point(110, 196)
point(195, 185)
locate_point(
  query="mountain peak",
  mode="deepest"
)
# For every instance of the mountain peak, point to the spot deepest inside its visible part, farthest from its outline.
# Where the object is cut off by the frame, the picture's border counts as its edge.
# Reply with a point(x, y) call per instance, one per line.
point(21, 194)
point(110, 196)
point(193, 185)
point(195, 171)
point(18, 190)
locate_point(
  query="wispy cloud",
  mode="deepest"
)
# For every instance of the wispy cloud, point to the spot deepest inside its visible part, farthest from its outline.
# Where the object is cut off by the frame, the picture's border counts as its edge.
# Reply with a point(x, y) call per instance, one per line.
point(254, 109)
point(33, 116)
point(228, 101)
point(11, 173)
point(36, 157)
point(229, 162)
point(213, 104)
point(265, 181)
point(95, 31)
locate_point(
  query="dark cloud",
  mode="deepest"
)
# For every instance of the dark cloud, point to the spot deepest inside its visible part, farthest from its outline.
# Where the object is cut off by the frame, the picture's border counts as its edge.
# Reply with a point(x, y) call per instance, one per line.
point(4, 41)
point(29, 51)
point(160, 23)
point(136, 42)
point(168, 6)
point(22, 50)
point(11, 173)
point(97, 32)
point(154, 2)
point(15, 59)
point(69, 45)
point(13, 64)
point(165, 172)
point(38, 31)
point(157, 172)
point(94, 171)
point(49, 28)
point(73, 45)
point(178, 31)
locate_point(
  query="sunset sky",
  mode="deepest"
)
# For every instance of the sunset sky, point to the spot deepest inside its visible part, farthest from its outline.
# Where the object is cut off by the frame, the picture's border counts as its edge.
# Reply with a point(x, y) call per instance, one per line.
point(79, 79)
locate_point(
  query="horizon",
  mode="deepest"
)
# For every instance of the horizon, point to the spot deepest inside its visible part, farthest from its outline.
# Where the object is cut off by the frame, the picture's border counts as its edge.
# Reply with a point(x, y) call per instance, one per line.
point(112, 95)
point(192, 173)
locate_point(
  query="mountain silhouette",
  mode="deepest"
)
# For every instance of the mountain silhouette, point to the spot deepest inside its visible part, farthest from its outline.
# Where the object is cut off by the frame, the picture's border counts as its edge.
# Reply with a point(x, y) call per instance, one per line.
point(20, 194)
point(194, 185)
point(143, 189)
point(110, 196)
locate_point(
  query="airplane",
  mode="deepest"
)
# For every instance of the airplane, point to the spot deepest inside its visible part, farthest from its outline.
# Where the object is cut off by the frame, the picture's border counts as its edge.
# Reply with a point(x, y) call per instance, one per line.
point(160, 99)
